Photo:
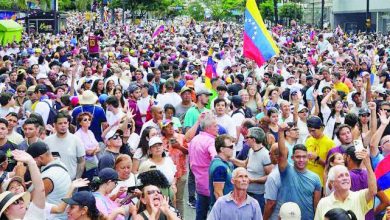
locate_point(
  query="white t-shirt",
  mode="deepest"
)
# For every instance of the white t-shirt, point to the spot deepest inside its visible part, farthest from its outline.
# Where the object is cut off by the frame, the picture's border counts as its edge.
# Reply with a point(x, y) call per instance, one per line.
point(33, 212)
point(168, 98)
point(227, 122)
point(43, 109)
point(112, 118)
point(168, 168)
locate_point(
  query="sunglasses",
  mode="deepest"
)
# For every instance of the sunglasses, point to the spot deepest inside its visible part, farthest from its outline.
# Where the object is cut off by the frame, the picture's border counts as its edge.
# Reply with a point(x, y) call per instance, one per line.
point(150, 192)
point(86, 119)
point(230, 146)
point(116, 136)
point(247, 137)
point(365, 115)
point(22, 91)
point(387, 110)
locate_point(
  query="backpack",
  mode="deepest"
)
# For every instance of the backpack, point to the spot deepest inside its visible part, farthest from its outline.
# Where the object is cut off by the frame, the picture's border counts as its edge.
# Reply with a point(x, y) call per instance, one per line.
point(52, 113)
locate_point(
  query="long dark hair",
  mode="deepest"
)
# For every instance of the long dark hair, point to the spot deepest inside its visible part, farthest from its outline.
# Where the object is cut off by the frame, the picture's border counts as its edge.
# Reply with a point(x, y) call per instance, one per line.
point(144, 143)
point(340, 214)
point(96, 183)
point(95, 87)
point(333, 109)
point(122, 99)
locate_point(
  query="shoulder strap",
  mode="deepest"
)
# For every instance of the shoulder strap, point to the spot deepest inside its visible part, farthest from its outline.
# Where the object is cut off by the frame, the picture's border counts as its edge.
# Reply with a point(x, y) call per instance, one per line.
point(47, 103)
point(54, 165)
point(3, 176)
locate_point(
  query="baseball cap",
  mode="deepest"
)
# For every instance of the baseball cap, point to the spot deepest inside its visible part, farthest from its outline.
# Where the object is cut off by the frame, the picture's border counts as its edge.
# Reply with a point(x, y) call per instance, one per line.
point(354, 94)
point(41, 76)
point(184, 89)
point(290, 211)
point(203, 91)
point(314, 122)
point(155, 140)
point(363, 111)
point(108, 174)
point(82, 198)
point(166, 123)
point(112, 133)
point(37, 149)
point(301, 108)
point(236, 100)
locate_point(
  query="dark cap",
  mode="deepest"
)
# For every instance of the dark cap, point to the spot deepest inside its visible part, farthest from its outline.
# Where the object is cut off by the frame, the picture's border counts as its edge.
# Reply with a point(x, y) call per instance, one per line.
point(41, 88)
point(236, 100)
point(37, 149)
point(108, 174)
point(240, 77)
point(363, 111)
point(314, 122)
point(82, 198)
point(355, 94)
point(309, 77)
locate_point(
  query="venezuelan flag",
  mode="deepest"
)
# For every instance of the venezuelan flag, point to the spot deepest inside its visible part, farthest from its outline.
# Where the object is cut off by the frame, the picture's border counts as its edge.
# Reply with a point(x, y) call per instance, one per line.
point(210, 70)
point(258, 43)
point(382, 173)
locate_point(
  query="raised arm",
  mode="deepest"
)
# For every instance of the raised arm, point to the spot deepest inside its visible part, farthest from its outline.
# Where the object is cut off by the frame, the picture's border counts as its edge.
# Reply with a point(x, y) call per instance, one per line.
point(373, 120)
point(374, 143)
point(372, 187)
point(283, 151)
point(38, 193)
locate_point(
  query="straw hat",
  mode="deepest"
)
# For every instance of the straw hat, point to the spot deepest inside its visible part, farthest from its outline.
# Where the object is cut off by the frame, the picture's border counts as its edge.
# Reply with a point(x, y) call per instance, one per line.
point(87, 98)
point(7, 198)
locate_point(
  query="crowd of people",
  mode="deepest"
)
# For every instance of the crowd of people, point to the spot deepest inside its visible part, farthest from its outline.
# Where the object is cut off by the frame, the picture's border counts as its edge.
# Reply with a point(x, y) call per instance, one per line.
point(108, 122)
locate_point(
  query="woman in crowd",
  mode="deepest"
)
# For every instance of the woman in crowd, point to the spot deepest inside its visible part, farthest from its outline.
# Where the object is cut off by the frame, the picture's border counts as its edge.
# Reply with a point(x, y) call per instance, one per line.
point(126, 178)
point(14, 206)
point(273, 114)
point(141, 153)
point(20, 95)
point(254, 103)
point(123, 104)
point(170, 112)
point(154, 205)
point(90, 143)
point(102, 186)
point(98, 87)
point(159, 158)
point(333, 116)
point(178, 149)
point(109, 88)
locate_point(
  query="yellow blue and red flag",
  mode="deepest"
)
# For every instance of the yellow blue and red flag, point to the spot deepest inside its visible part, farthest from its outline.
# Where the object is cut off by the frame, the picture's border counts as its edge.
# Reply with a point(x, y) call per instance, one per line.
point(258, 43)
point(210, 70)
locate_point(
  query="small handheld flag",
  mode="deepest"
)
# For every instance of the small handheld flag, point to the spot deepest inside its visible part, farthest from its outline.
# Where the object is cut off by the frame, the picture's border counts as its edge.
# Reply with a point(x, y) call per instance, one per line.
point(159, 29)
point(258, 43)
point(210, 70)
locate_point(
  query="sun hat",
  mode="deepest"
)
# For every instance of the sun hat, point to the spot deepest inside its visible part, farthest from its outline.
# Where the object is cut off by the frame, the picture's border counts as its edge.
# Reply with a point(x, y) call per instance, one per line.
point(7, 198)
point(6, 183)
point(155, 140)
point(87, 98)
point(290, 211)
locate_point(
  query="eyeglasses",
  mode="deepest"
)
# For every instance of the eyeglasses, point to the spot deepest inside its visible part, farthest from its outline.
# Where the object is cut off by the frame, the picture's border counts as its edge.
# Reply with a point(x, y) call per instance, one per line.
point(365, 115)
point(86, 119)
point(304, 111)
point(22, 91)
point(150, 192)
point(387, 110)
point(114, 181)
point(247, 137)
point(230, 146)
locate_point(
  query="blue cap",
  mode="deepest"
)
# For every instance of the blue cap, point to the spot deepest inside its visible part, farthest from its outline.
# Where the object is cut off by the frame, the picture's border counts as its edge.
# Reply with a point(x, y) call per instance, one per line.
point(82, 198)
point(314, 122)
point(103, 98)
point(108, 174)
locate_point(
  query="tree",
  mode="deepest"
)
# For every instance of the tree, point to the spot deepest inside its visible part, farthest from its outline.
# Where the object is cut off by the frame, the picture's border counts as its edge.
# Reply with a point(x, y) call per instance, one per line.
point(291, 11)
point(64, 5)
point(267, 10)
point(196, 11)
point(82, 5)
point(223, 9)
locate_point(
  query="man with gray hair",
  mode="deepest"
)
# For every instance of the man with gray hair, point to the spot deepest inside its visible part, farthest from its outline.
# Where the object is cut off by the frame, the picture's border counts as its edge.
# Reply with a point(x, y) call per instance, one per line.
point(238, 204)
point(258, 164)
point(201, 151)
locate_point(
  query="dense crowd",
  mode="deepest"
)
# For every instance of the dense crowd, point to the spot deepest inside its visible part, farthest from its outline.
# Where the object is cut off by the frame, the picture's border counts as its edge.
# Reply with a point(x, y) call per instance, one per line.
point(107, 122)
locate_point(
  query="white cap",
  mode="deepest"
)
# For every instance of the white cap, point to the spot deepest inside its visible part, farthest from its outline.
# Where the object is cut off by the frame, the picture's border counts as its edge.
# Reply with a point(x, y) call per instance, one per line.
point(301, 107)
point(290, 211)
point(41, 76)
point(155, 140)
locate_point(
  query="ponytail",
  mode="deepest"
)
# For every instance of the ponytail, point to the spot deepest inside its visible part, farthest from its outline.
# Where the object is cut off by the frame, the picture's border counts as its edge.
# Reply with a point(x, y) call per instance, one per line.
point(95, 184)
point(351, 215)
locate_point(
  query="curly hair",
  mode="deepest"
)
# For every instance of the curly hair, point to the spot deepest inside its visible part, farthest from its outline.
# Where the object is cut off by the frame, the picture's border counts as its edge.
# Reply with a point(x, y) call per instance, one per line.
point(153, 177)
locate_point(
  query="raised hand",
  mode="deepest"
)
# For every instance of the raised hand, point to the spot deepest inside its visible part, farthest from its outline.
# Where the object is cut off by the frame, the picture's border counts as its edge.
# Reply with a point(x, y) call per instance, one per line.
point(372, 106)
point(80, 182)
point(22, 156)
point(383, 117)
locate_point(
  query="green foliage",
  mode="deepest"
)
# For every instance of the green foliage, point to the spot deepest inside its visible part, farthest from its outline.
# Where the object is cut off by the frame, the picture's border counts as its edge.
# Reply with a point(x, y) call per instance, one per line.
point(291, 11)
point(82, 5)
point(222, 9)
point(5, 4)
point(267, 10)
point(196, 11)
point(64, 5)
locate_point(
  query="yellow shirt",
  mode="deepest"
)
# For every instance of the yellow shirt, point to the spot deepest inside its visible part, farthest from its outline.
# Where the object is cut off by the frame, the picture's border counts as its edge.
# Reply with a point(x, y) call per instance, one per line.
point(356, 202)
point(341, 87)
point(320, 147)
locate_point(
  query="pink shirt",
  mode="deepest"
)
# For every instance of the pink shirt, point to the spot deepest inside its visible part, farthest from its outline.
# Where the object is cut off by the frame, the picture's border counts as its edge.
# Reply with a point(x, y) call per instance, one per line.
point(201, 152)
point(105, 205)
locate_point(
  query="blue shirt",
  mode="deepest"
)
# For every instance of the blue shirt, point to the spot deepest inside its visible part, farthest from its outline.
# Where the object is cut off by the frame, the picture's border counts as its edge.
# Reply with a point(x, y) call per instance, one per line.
point(99, 116)
point(220, 171)
point(298, 187)
point(226, 209)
